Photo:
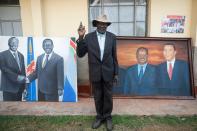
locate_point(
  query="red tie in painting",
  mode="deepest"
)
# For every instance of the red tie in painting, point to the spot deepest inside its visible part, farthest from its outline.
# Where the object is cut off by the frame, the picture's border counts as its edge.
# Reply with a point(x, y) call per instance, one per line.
point(170, 71)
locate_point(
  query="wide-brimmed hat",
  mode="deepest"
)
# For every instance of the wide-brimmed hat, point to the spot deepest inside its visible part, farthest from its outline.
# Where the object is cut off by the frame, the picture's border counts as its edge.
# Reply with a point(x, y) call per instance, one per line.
point(101, 18)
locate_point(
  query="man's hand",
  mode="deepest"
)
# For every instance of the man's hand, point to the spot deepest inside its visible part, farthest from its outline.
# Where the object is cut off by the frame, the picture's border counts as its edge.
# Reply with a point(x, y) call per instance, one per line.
point(81, 31)
point(115, 81)
point(21, 79)
point(60, 92)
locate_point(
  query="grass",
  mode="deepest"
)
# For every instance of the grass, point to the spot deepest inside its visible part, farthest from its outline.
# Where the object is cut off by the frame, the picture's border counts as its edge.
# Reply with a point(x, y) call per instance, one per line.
point(83, 123)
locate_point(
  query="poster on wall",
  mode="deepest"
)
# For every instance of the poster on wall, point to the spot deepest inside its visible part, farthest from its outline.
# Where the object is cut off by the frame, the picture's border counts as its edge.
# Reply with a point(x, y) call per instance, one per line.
point(173, 24)
point(38, 69)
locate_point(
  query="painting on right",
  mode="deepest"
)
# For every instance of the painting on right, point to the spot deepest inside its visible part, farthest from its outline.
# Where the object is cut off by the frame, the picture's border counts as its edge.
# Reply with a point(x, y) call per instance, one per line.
point(155, 67)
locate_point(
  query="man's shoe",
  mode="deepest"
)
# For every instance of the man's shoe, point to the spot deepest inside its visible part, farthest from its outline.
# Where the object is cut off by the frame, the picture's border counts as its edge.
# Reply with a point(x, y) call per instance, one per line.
point(109, 125)
point(96, 123)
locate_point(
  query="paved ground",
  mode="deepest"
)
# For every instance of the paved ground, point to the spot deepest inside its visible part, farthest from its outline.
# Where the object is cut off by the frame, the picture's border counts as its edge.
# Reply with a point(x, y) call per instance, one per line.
point(85, 106)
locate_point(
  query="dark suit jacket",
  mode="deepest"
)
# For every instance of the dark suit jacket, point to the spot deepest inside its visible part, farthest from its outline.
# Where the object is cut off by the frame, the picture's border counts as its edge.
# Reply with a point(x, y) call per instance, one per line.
point(179, 85)
point(10, 72)
point(51, 77)
point(108, 67)
point(147, 84)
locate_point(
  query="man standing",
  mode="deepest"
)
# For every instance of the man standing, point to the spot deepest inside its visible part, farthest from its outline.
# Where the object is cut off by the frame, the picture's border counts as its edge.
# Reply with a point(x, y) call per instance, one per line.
point(173, 74)
point(12, 72)
point(50, 73)
point(103, 66)
point(141, 78)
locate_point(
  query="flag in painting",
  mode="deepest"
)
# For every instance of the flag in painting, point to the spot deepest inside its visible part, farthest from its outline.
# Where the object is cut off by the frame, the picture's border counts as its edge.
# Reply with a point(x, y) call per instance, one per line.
point(31, 89)
point(70, 85)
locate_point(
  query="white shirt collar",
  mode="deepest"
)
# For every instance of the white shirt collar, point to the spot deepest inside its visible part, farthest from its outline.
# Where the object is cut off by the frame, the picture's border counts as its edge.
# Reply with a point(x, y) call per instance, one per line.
point(99, 34)
point(13, 51)
point(49, 55)
point(144, 67)
point(172, 62)
point(45, 57)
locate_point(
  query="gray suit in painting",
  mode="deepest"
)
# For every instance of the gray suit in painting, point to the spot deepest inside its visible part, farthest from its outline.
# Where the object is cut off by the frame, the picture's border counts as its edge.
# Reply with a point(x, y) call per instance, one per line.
point(10, 71)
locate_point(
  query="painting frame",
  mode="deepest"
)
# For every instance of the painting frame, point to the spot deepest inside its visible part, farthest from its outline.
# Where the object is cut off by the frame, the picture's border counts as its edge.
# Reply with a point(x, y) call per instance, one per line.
point(186, 53)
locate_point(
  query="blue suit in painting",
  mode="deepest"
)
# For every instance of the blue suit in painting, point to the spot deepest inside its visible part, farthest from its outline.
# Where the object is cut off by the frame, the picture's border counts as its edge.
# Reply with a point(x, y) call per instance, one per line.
point(179, 85)
point(133, 86)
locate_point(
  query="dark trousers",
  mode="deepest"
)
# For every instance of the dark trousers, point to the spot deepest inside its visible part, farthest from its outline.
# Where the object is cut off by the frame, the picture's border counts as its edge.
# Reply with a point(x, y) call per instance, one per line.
point(103, 99)
point(47, 97)
point(9, 96)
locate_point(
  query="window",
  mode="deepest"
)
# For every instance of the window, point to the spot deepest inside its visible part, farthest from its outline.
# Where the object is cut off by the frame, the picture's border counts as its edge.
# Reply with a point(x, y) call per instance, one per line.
point(9, 2)
point(10, 18)
point(128, 17)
